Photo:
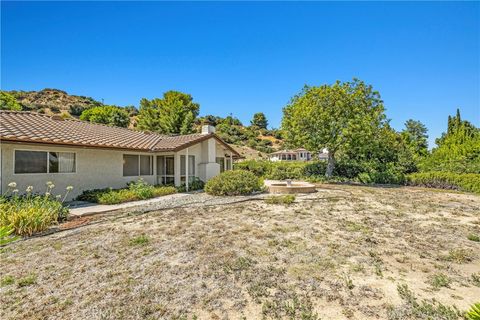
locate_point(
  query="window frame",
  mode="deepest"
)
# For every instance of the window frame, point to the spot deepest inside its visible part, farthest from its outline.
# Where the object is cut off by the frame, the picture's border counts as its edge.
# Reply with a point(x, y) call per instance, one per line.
point(48, 161)
point(139, 171)
point(162, 178)
point(190, 175)
point(222, 165)
point(228, 163)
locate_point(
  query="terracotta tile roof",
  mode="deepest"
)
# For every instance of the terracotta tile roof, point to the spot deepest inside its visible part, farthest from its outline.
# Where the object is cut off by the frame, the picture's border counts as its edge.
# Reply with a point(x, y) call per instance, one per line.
point(24, 126)
point(175, 142)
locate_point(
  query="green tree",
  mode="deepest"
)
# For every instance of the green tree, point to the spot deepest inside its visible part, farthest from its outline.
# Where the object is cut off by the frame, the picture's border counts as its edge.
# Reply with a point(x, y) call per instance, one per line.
point(259, 121)
point(8, 102)
point(384, 159)
point(175, 113)
point(334, 116)
point(110, 115)
point(458, 150)
point(415, 137)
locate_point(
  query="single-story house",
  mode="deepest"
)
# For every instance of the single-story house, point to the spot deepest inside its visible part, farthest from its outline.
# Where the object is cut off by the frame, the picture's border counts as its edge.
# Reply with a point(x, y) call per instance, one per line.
point(36, 148)
point(300, 154)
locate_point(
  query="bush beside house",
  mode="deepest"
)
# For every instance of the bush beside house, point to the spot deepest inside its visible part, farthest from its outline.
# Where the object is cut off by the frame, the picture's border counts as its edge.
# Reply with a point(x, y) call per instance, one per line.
point(139, 190)
point(234, 183)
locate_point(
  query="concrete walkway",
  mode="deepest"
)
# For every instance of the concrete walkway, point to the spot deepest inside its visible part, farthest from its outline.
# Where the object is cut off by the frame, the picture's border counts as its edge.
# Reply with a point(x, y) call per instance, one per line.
point(87, 208)
point(192, 199)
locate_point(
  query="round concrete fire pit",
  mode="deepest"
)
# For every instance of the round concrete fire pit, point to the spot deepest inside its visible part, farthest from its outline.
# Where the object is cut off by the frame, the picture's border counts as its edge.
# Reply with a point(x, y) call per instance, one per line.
point(289, 187)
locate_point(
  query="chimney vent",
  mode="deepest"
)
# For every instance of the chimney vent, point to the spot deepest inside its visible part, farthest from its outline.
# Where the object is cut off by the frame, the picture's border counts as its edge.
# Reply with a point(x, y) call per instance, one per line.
point(207, 129)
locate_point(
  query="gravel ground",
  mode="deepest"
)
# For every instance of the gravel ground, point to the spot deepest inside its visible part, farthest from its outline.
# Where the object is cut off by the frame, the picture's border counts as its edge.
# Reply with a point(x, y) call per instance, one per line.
point(345, 252)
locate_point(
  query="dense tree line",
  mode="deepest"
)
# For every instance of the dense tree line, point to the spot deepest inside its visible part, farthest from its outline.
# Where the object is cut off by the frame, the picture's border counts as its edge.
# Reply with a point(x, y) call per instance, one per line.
point(348, 119)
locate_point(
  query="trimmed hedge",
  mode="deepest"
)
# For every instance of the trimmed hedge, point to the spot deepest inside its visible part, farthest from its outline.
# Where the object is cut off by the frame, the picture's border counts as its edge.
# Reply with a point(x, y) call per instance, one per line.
point(469, 182)
point(234, 183)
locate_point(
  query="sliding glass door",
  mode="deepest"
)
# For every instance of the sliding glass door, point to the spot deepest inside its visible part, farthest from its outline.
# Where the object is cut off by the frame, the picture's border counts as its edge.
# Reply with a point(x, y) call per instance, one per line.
point(191, 169)
point(166, 170)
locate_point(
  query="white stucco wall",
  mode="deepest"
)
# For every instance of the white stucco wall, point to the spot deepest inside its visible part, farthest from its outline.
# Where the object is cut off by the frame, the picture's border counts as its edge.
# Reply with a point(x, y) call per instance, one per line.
point(95, 168)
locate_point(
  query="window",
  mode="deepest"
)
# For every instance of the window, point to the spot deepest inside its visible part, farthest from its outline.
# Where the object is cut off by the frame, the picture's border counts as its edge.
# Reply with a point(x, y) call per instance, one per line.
point(30, 162)
point(130, 165)
point(221, 162)
point(146, 166)
point(137, 165)
point(191, 169)
point(61, 162)
point(44, 162)
point(229, 164)
point(166, 169)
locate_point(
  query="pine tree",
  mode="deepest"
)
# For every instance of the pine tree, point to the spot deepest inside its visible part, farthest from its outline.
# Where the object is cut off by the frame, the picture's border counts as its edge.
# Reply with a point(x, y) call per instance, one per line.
point(175, 113)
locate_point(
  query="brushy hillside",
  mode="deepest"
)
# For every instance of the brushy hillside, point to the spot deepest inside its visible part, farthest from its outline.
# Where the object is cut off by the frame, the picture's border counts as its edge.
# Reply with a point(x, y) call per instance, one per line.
point(52, 100)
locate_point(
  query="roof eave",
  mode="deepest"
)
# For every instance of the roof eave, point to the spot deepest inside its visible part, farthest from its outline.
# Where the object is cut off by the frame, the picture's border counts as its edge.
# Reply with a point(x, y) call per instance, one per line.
point(71, 145)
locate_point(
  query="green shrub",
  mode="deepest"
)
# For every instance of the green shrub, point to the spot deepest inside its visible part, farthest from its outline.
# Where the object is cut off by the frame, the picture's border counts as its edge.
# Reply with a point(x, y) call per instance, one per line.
point(196, 184)
point(141, 240)
point(116, 196)
point(473, 237)
point(283, 170)
point(27, 281)
point(55, 109)
point(287, 170)
point(283, 199)
point(315, 168)
point(92, 195)
point(109, 115)
point(76, 110)
point(7, 280)
point(345, 170)
point(139, 190)
point(233, 183)
point(469, 182)
point(259, 167)
point(30, 213)
point(160, 191)
point(440, 280)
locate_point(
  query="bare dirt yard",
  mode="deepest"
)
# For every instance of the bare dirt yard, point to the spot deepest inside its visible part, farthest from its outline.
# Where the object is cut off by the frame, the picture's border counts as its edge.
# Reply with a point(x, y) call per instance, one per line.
point(345, 252)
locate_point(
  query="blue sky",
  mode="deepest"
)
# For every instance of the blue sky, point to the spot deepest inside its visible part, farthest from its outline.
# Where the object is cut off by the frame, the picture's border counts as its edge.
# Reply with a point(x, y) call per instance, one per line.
point(242, 58)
